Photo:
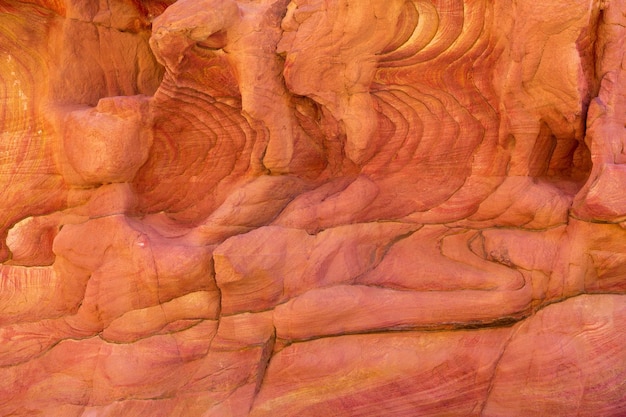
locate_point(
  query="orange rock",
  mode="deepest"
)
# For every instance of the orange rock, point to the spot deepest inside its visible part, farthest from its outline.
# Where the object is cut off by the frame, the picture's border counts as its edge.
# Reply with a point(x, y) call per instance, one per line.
point(251, 278)
point(307, 207)
point(573, 362)
point(405, 374)
point(109, 143)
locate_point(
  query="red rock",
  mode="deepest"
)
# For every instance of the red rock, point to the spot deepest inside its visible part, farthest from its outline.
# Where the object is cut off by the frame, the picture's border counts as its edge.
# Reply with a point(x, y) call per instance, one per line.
point(93, 372)
point(575, 364)
point(30, 241)
point(307, 207)
point(109, 143)
point(356, 309)
point(604, 200)
point(139, 323)
point(249, 275)
point(33, 292)
point(405, 374)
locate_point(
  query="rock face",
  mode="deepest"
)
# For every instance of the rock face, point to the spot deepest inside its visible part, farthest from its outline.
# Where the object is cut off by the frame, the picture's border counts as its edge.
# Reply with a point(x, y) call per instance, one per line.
point(312, 208)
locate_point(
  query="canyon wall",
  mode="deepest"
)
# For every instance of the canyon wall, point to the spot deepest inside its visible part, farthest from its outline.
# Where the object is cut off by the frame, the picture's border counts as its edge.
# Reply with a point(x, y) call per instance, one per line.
point(312, 208)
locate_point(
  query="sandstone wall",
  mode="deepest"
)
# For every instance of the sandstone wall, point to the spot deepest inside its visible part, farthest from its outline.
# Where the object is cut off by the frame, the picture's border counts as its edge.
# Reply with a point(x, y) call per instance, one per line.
point(312, 208)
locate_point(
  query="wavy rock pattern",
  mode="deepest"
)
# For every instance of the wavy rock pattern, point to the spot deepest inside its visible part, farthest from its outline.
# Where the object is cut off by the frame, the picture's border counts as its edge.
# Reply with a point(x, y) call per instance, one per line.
point(306, 207)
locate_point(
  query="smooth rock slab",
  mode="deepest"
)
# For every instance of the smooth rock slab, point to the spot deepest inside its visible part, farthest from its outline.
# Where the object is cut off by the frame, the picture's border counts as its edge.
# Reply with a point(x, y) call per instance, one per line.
point(568, 360)
point(402, 374)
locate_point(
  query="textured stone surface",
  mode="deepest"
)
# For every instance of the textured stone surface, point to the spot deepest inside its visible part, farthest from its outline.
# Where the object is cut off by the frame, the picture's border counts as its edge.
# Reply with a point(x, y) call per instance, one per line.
point(312, 207)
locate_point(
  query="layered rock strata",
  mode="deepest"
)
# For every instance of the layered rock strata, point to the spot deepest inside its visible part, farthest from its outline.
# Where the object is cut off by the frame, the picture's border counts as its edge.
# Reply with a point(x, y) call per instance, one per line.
point(307, 208)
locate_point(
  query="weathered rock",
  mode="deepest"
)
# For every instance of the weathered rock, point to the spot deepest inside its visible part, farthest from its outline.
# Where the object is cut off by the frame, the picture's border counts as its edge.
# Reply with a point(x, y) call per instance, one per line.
point(307, 207)
point(297, 262)
point(405, 374)
point(576, 362)
point(110, 143)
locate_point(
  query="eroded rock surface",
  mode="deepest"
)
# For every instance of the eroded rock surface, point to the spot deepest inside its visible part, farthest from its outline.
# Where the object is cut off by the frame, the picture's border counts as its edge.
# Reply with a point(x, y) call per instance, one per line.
point(307, 208)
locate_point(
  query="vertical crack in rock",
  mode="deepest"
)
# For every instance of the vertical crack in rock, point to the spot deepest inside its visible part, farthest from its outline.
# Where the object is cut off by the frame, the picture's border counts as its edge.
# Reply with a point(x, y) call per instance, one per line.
point(494, 372)
point(266, 358)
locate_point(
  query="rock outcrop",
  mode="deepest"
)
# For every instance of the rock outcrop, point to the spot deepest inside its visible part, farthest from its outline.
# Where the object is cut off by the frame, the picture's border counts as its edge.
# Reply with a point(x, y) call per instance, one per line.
point(312, 207)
